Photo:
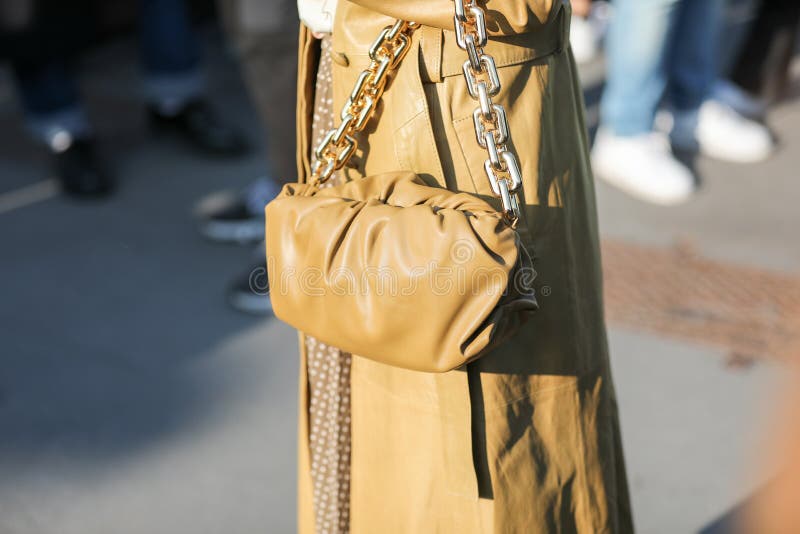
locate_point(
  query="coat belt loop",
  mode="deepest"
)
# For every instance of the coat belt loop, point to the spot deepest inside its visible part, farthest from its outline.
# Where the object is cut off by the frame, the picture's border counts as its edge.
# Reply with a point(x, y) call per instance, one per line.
point(431, 54)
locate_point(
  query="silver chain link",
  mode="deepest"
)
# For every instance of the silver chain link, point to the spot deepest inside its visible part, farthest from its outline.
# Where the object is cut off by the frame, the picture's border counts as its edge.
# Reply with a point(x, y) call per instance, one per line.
point(491, 124)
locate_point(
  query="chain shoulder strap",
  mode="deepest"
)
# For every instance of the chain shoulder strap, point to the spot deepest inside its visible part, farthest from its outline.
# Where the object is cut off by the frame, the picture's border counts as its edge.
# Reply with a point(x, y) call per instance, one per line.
point(340, 143)
point(483, 82)
point(490, 120)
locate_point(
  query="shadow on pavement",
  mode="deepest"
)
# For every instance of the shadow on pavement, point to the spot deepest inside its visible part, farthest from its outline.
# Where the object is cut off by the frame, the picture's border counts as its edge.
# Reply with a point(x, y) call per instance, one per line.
point(109, 310)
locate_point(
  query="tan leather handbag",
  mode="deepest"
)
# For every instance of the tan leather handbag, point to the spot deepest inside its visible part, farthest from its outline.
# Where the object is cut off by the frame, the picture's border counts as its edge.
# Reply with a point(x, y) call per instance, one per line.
point(388, 267)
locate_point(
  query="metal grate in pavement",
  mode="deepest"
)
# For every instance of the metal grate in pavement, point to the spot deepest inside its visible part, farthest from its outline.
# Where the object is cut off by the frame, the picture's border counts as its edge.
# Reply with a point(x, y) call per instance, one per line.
point(753, 313)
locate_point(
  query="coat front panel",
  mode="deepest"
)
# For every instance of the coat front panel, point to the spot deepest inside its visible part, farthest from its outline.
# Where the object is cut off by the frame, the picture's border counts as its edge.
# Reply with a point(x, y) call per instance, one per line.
point(525, 439)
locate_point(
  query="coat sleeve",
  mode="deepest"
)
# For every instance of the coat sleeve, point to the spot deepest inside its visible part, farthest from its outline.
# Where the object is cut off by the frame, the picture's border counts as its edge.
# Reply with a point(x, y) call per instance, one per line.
point(503, 17)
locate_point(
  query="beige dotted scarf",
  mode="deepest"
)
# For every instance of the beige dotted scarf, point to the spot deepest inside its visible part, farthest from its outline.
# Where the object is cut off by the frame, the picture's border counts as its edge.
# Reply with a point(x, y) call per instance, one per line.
point(328, 374)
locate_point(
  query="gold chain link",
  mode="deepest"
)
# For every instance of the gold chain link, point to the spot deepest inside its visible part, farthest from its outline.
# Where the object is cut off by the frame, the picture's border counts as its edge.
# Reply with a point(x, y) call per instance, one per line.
point(340, 143)
point(491, 124)
point(483, 82)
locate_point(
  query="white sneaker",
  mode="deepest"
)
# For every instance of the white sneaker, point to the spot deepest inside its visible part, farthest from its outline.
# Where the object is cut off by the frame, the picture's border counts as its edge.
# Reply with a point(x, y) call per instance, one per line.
point(642, 166)
point(718, 131)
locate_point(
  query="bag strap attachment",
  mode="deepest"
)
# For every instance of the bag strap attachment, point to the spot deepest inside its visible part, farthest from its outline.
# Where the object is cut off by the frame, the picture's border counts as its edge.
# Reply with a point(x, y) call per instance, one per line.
point(483, 82)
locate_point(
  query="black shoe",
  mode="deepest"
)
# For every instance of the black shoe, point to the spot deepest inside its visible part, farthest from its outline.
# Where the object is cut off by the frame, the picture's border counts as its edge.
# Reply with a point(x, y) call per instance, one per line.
point(240, 219)
point(249, 292)
point(197, 123)
point(80, 172)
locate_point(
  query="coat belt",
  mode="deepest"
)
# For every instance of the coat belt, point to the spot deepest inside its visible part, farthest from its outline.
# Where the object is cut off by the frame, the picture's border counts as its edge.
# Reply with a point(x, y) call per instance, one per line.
point(441, 57)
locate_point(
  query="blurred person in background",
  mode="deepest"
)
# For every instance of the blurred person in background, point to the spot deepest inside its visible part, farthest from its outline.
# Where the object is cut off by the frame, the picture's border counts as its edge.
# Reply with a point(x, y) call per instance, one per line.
point(265, 35)
point(588, 28)
point(666, 49)
point(760, 71)
point(173, 87)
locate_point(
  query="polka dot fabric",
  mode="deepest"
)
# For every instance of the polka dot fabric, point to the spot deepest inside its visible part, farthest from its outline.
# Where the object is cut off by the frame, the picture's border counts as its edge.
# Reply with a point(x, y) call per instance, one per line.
point(328, 374)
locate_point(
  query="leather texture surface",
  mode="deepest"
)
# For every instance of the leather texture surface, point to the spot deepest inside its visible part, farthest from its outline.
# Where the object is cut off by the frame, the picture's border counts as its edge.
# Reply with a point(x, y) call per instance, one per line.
point(525, 438)
point(356, 264)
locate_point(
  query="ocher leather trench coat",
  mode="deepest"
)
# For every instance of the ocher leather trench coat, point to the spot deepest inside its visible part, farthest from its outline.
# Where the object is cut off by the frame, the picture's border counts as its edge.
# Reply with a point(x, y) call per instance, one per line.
point(525, 439)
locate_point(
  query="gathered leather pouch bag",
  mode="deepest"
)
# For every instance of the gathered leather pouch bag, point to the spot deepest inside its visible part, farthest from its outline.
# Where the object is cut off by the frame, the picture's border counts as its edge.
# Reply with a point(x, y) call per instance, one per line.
point(392, 269)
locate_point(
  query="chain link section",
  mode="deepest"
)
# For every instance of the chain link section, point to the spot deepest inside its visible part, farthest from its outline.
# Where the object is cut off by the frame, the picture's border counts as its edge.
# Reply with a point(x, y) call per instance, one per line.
point(339, 144)
point(483, 82)
point(491, 124)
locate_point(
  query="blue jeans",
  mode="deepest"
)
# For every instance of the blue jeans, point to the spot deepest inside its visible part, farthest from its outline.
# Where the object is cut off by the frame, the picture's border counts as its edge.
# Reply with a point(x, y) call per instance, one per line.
point(658, 49)
point(170, 56)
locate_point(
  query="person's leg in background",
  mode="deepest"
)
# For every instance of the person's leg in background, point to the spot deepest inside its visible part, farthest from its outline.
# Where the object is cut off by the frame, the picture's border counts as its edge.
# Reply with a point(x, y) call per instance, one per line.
point(266, 39)
point(269, 59)
point(265, 35)
point(700, 122)
point(50, 99)
point(638, 42)
point(692, 58)
point(55, 117)
point(628, 153)
point(760, 71)
point(174, 83)
point(270, 64)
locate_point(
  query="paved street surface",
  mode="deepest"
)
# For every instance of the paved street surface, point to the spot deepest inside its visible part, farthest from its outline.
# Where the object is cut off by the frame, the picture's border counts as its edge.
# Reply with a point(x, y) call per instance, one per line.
point(134, 401)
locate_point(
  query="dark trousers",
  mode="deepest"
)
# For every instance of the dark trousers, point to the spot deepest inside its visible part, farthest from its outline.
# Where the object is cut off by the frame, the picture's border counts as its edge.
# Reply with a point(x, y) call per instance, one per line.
point(265, 34)
point(168, 46)
point(762, 65)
